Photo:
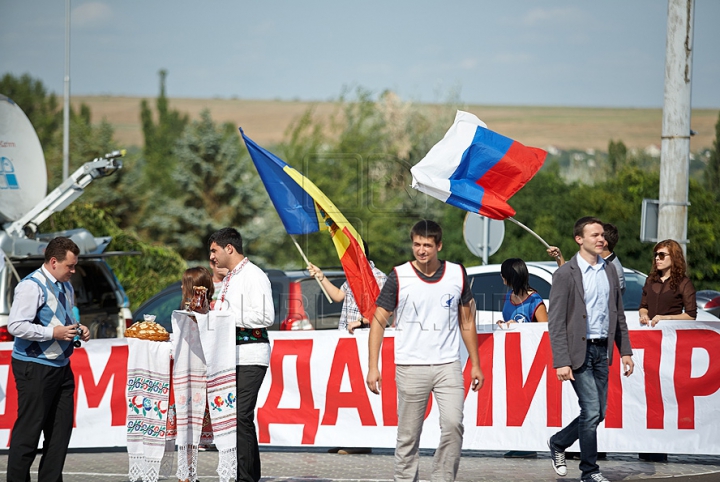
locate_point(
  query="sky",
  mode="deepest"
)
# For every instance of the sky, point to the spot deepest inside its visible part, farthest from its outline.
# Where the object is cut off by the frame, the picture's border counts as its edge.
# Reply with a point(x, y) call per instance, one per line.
point(514, 52)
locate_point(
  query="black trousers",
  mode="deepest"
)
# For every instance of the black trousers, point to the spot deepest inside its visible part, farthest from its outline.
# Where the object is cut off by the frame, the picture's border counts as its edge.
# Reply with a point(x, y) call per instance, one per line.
point(249, 380)
point(45, 405)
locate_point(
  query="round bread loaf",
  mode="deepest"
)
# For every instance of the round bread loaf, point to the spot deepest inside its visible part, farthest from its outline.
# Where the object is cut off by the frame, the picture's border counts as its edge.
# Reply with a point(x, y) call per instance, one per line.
point(147, 330)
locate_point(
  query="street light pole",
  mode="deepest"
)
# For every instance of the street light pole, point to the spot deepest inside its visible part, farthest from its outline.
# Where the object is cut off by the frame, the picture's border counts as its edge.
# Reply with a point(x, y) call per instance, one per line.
point(66, 96)
point(675, 147)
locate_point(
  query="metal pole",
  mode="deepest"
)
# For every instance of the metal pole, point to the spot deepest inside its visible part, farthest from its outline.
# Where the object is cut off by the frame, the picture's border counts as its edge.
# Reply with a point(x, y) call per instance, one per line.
point(486, 238)
point(66, 96)
point(675, 147)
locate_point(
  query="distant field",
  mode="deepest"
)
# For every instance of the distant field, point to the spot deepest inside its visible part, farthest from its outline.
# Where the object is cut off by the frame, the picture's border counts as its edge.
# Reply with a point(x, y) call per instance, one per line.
point(564, 127)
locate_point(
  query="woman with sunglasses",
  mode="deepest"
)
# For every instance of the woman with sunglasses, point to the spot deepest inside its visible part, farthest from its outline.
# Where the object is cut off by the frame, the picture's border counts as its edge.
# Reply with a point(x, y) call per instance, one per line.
point(668, 293)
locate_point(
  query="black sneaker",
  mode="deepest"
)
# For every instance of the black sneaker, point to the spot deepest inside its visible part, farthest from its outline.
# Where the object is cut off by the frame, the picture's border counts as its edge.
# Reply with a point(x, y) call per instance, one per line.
point(558, 460)
point(596, 477)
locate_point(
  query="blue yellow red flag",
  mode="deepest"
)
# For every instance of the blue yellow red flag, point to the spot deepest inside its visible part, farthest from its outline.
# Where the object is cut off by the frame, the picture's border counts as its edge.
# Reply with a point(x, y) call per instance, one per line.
point(303, 209)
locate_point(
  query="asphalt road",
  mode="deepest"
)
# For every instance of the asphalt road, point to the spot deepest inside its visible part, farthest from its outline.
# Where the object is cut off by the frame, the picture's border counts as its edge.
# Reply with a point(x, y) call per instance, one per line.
point(317, 465)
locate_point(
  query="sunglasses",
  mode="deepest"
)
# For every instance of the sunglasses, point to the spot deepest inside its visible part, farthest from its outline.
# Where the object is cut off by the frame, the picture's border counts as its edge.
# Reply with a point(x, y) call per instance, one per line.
point(661, 255)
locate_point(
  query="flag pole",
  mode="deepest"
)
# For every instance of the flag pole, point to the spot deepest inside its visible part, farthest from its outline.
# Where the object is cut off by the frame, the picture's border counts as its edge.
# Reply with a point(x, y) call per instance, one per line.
point(308, 262)
point(510, 218)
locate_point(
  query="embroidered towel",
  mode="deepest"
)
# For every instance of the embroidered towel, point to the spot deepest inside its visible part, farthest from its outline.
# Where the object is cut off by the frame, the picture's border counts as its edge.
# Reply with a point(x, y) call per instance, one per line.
point(148, 392)
point(217, 335)
point(190, 390)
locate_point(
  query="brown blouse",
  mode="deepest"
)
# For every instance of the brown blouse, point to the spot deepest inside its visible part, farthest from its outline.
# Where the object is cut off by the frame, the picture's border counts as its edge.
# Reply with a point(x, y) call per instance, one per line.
point(659, 299)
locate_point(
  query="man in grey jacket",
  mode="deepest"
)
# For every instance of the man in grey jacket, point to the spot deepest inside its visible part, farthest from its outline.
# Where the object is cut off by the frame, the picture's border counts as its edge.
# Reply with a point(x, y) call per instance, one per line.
point(586, 315)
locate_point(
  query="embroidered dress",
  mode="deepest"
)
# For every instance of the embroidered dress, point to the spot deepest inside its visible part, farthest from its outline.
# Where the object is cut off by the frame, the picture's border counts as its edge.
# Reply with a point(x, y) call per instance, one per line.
point(148, 396)
point(525, 311)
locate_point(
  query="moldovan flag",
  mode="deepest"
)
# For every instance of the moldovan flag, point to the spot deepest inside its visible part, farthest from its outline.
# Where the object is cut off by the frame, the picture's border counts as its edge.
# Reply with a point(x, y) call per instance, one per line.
point(476, 169)
point(304, 209)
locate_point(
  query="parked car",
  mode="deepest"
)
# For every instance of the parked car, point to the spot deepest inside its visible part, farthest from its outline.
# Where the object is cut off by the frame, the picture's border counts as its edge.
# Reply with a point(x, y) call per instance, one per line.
point(104, 307)
point(299, 302)
point(709, 300)
point(489, 291)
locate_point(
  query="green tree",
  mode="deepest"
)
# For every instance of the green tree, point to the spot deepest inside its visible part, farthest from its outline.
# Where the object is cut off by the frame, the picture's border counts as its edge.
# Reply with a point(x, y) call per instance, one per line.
point(142, 275)
point(361, 160)
point(216, 187)
point(160, 139)
point(617, 154)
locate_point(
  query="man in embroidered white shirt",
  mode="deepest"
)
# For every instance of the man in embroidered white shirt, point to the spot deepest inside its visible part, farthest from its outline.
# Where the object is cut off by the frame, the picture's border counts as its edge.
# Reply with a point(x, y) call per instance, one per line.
point(246, 293)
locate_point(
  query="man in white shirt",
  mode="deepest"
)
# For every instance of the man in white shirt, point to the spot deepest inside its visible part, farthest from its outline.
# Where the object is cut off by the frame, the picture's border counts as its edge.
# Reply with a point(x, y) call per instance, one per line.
point(434, 310)
point(246, 293)
point(42, 323)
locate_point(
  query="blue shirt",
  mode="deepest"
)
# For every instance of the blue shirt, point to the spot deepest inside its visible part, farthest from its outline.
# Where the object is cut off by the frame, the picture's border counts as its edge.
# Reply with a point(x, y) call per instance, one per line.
point(525, 311)
point(597, 295)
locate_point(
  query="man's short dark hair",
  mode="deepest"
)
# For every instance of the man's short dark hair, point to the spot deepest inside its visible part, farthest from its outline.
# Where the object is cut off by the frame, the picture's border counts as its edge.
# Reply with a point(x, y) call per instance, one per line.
point(611, 236)
point(58, 248)
point(427, 229)
point(226, 236)
point(580, 224)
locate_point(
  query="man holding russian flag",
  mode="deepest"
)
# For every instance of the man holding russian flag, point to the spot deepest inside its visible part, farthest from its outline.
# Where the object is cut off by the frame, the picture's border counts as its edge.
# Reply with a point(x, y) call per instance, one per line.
point(434, 308)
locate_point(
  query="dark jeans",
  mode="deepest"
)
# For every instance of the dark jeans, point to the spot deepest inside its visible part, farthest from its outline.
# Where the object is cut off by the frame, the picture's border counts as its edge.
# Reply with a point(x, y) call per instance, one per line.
point(249, 379)
point(590, 384)
point(45, 405)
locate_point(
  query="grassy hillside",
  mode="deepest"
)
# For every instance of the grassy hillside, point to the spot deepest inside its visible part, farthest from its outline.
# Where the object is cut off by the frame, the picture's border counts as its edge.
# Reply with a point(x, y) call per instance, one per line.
point(563, 127)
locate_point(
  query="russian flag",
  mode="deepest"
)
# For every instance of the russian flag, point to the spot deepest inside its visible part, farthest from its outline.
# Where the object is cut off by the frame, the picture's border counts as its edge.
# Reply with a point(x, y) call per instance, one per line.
point(476, 169)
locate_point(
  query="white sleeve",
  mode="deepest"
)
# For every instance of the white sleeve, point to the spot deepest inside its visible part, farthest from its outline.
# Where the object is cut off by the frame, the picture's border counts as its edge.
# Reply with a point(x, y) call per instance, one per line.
point(28, 299)
point(252, 302)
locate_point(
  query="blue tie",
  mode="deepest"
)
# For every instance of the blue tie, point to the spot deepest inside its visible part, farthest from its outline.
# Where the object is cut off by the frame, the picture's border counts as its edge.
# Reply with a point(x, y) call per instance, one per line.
point(63, 300)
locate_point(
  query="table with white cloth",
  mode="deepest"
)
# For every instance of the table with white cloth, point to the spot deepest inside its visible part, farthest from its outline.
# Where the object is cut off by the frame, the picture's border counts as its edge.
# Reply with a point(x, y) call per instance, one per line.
point(149, 417)
point(196, 370)
point(204, 375)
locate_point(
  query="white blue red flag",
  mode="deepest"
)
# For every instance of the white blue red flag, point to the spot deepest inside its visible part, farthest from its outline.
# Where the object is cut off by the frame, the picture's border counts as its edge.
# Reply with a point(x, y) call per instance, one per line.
point(476, 169)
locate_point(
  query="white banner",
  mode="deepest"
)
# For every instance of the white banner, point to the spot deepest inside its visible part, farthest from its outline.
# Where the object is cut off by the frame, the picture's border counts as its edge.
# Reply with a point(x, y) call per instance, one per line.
point(315, 393)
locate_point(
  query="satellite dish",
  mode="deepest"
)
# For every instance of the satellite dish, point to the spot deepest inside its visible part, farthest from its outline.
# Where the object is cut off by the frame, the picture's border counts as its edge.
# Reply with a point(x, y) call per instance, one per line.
point(475, 228)
point(23, 176)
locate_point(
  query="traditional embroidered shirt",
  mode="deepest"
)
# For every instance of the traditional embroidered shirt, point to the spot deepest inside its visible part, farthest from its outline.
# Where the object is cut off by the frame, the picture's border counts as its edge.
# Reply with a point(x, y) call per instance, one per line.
point(246, 293)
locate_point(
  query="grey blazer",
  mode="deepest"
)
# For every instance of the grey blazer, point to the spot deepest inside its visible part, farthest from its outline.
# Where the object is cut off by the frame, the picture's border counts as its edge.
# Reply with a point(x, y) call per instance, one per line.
point(567, 316)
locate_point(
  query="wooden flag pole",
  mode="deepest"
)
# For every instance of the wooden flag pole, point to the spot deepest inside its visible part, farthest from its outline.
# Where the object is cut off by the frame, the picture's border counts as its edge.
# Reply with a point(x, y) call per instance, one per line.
point(308, 262)
point(510, 218)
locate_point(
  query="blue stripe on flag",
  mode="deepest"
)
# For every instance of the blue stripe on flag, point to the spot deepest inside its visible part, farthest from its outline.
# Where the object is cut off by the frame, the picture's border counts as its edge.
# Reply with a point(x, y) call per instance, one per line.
point(293, 204)
point(466, 195)
point(486, 150)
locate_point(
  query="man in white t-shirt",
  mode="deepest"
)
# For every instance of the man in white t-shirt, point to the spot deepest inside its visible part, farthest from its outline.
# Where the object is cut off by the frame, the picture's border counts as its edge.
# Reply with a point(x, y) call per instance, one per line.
point(246, 293)
point(434, 309)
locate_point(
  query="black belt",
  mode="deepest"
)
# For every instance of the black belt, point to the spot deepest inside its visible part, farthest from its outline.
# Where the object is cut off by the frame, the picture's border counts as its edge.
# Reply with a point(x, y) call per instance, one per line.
point(597, 341)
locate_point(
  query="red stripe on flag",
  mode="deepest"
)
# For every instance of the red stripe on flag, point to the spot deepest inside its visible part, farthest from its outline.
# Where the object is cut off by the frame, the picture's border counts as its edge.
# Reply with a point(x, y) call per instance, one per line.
point(360, 277)
point(494, 207)
point(513, 171)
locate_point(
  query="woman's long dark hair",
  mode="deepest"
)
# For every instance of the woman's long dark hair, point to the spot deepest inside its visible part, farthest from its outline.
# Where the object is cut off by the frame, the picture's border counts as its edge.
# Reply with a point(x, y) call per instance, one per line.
point(516, 275)
point(197, 276)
